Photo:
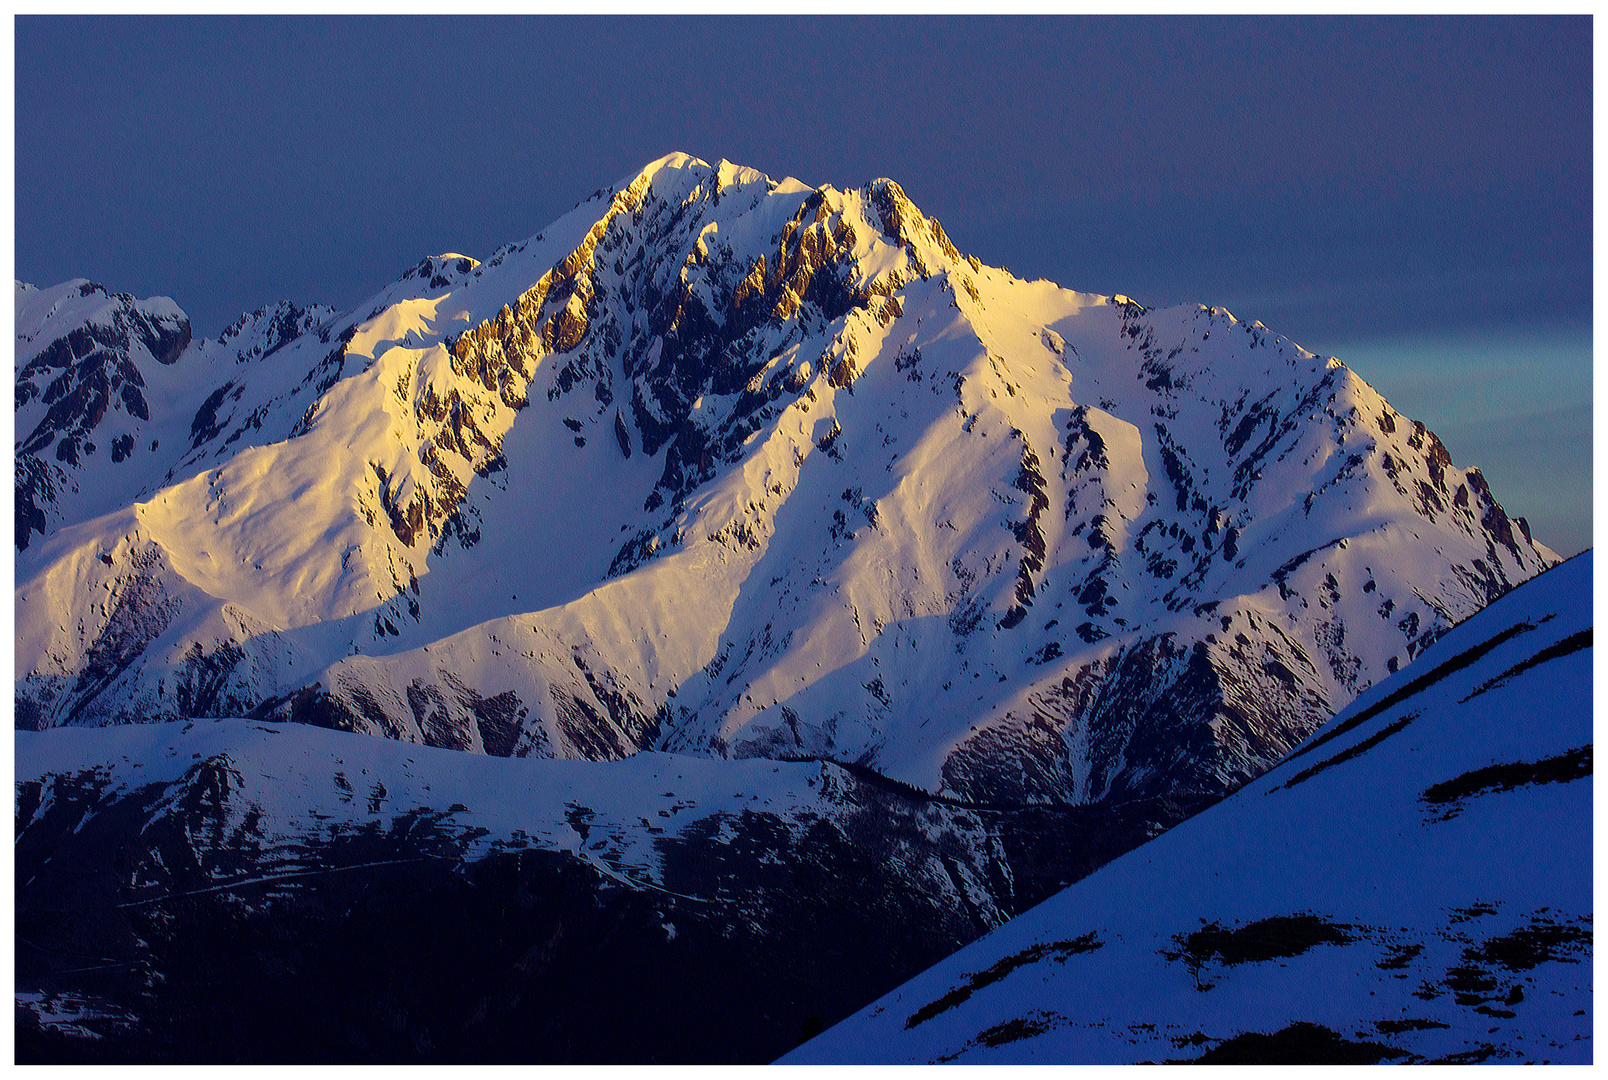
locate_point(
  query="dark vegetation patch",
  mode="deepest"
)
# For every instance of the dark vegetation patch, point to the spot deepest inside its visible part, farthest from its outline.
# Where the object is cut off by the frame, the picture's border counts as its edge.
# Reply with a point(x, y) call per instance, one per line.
point(1022, 1027)
point(1400, 956)
point(1472, 985)
point(1396, 1027)
point(1477, 910)
point(1540, 942)
point(1356, 751)
point(1060, 950)
point(1573, 765)
point(1273, 938)
point(1483, 1052)
point(1302, 1043)
point(1475, 984)
point(1571, 644)
point(1418, 685)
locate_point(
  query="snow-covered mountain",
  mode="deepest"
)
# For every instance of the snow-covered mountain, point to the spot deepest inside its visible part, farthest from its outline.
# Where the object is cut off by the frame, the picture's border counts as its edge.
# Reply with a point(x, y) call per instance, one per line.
point(933, 589)
point(115, 398)
point(1413, 884)
point(722, 465)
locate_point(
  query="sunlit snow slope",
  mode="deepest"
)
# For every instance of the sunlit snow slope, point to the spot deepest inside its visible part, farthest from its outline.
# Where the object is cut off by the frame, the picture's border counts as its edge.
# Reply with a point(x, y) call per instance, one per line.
point(1414, 884)
point(722, 465)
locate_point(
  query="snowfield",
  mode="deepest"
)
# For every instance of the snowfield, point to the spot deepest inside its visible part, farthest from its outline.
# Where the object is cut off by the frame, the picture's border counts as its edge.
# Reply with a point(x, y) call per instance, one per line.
point(1413, 884)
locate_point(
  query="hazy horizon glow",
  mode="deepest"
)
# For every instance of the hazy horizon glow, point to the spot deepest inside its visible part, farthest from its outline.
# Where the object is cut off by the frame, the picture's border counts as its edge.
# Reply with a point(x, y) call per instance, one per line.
point(1518, 406)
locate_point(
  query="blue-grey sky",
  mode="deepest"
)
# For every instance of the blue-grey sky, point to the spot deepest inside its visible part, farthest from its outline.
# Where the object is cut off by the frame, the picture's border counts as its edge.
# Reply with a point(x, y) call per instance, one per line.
point(1413, 196)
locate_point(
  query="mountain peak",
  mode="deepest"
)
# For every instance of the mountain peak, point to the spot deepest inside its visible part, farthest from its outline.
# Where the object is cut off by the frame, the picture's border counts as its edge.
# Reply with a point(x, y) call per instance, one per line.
point(984, 509)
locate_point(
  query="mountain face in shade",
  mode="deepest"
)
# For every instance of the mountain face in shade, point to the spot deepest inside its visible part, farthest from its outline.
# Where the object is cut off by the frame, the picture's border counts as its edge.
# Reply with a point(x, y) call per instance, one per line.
point(906, 569)
point(1413, 884)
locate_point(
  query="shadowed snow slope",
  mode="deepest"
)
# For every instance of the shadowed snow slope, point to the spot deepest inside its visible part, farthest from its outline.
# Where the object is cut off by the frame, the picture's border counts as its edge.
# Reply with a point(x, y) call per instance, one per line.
point(1413, 884)
point(259, 892)
point(722, 465)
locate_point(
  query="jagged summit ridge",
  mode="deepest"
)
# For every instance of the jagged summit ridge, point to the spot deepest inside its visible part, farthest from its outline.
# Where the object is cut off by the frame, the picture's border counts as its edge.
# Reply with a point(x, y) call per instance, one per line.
point(725, 465)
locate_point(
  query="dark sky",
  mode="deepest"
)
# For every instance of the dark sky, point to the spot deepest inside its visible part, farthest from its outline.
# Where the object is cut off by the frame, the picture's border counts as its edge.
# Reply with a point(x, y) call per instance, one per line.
point(1350, 182)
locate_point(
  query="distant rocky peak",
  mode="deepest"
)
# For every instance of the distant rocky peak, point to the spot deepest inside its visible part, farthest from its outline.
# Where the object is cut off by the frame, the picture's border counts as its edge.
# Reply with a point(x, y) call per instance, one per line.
point(81, 350)
point(99, 420)
point(440, 271)
point(47, 318)
point(270, 328)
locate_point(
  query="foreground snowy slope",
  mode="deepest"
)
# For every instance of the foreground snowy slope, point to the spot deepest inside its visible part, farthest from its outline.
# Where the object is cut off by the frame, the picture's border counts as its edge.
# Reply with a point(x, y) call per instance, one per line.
point(1414, 884)
point(722, 465)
